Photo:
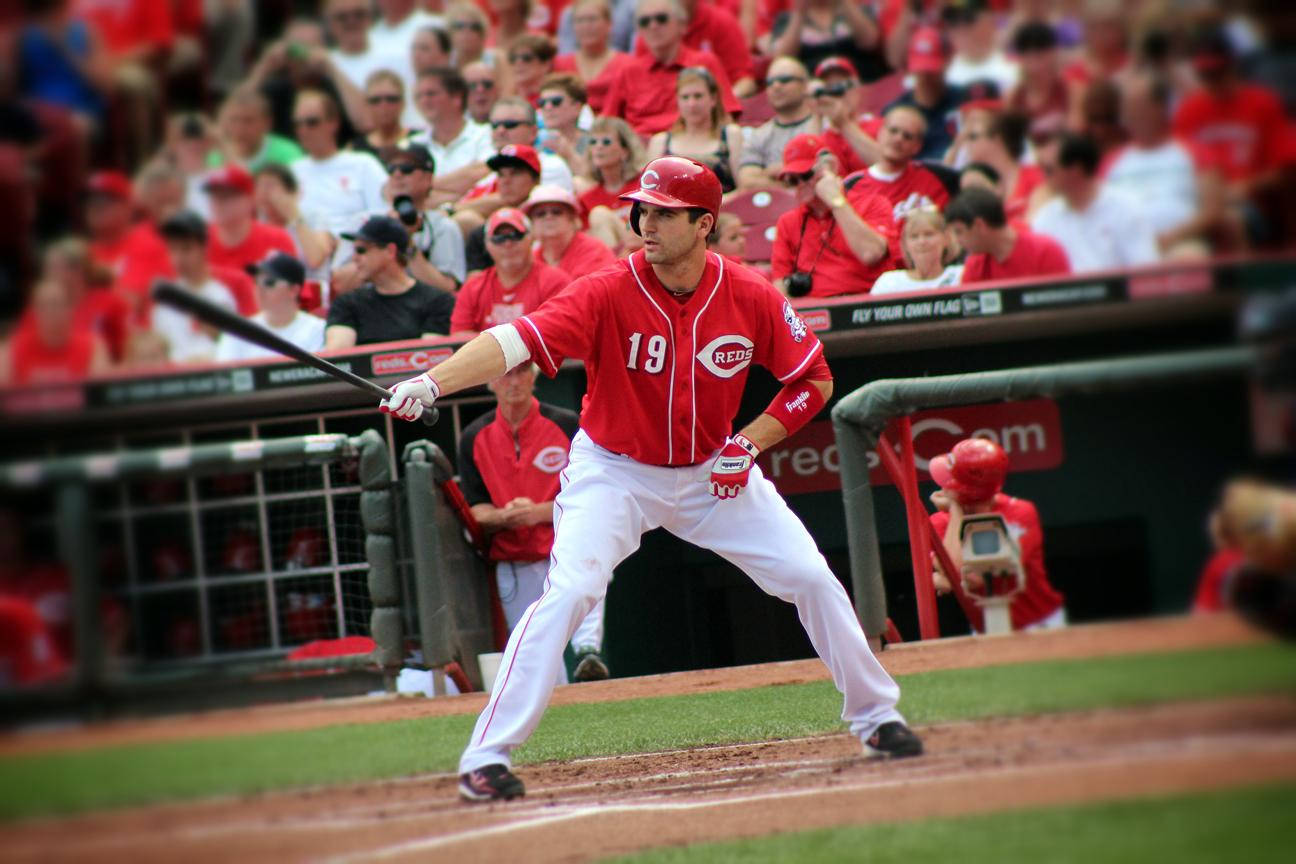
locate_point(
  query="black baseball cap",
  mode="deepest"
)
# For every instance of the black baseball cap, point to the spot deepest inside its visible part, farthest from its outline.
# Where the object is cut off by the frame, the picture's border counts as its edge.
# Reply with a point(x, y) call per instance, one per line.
point(280, 267)
point(184, 225)
point(1034, 36)
point(381, 231)
point(406, 152)
point(962, 11)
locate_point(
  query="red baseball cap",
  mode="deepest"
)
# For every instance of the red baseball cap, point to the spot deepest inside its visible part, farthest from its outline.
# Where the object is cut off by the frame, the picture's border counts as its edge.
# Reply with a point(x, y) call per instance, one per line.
point(801, 153)
point(111, 183)
point(229, 176)
point(510, 216)
point(835, 66)
point(513, 154)
point(927, 51)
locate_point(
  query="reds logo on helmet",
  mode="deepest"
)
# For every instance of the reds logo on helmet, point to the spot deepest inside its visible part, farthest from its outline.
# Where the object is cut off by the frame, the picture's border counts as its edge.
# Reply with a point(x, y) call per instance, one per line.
point(649, 180)
point(726, 356)
point(551, 460)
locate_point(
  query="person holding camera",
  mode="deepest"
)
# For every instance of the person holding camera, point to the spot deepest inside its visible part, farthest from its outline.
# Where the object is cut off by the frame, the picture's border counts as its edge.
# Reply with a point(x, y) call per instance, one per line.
point(833, 241)
point(436, 243)
point(849, 134)
point(971, 478)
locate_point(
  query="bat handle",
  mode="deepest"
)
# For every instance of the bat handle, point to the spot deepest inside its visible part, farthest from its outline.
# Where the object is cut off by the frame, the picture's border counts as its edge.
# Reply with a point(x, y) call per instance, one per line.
point(431, 416)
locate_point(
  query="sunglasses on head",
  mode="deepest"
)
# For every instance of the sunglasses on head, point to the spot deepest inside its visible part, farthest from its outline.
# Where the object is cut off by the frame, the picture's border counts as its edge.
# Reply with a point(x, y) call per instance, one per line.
point(505, 238)
point(308, 122)
point(644, 21)
point(380, 98)
point(783, 79)
point(403, 168)
point(795, 180)
point(508, 124)
point(550, 101)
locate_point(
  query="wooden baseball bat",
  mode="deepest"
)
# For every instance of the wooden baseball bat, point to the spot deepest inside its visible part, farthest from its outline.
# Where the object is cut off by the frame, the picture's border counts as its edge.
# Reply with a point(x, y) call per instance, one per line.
point(170, 294)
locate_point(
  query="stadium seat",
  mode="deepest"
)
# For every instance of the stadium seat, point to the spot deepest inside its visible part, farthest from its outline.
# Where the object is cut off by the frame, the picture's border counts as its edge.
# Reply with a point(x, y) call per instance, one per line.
point(759, 209)
point(882, 93)
point(755, 110)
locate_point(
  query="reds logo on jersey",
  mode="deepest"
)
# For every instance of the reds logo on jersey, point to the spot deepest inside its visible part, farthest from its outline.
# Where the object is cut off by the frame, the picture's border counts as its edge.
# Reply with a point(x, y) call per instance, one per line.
point(794, 322)
point(726, 356)
point(913, 202)
point(551, 460)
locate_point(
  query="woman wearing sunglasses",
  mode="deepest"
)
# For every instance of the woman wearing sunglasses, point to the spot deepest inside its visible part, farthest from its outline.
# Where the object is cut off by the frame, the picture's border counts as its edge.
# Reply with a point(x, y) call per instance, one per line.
point(594, 59)
point(616, 158)
point(385, 98)
point(704, 130)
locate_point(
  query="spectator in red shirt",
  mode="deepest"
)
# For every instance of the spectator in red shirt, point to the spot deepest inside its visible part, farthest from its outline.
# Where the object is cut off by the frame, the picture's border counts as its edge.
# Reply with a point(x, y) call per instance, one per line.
point(53, 348)
point(643, 91)
point(998, 250)
point(714, 30)
point(516, 284)
point(998, 138)
point(850, 136)
point(828, 244)
point(906, 184)
point(237, 239)
point(594, 61)
point(134, 254)
point(1240, 126)
point(555, 218)
point(1042, 95)
point(99, 309)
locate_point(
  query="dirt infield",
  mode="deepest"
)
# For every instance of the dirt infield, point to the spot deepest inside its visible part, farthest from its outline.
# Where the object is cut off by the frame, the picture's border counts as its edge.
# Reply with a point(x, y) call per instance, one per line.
point(590, 808)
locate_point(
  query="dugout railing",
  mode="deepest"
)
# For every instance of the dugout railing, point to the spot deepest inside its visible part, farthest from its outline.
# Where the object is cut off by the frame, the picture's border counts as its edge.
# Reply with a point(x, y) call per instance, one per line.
point(875, 419)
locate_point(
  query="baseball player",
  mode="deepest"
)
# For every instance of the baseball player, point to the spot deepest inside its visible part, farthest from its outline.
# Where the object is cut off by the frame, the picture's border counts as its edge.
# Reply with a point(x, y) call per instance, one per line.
point(667, 336)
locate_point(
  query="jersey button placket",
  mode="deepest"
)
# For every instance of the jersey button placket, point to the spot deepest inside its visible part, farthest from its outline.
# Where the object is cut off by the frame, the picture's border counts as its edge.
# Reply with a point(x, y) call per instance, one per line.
point(683, 392)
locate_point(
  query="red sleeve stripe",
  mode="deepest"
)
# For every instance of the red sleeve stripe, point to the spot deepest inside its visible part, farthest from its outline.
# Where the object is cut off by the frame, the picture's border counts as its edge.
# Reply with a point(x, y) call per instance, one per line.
point(818, 346)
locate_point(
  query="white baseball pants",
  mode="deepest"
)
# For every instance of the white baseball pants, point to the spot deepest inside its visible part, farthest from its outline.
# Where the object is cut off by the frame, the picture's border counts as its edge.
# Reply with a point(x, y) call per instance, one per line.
point(521, 583)
point(606, 503)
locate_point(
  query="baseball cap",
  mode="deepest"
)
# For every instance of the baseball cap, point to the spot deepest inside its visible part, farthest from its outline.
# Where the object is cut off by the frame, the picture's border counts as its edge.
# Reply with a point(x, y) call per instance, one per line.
point(114, 184)
point(184, 225)
point(508, 216)
point(800, 154)
point(927, 51)
point(281, 267)
point(230, 176)
point(516, 154)
point(835, 66)
point(549, 194)
point(1212, 52)
point(1034, 36)
point(407, 152)
point(380, 231)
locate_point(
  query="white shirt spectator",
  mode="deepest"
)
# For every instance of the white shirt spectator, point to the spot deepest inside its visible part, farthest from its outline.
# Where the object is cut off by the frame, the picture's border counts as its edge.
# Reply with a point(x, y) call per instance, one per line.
point(899, 281)
point(343, 188)
point(997, 68)
point(473, 144)
point(1162, 179)
point(305, 331)
point(358, 67)
point(1110, 234)
point(187, 342)
point(386, 39)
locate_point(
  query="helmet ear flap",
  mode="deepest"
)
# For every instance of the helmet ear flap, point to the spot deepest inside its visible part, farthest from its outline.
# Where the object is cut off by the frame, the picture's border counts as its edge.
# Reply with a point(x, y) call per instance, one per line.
point(634, 218)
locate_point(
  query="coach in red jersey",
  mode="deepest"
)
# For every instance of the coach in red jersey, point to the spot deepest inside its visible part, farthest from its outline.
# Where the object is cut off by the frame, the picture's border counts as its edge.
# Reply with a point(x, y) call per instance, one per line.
point(971, 478)
point(832, 242)
point(509, 461)
point(555, 217)
point(906, 184)
point(997, 250)
point(515, 285)
point(667, 336)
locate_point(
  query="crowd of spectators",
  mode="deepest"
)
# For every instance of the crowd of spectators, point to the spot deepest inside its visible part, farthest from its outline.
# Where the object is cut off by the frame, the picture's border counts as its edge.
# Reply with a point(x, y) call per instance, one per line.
point(354, 171)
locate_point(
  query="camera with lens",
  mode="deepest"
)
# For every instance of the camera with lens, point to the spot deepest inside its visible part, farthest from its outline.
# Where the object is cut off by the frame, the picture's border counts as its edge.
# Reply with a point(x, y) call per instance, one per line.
point(405, 210)
point(992, 569)
point(799, 283)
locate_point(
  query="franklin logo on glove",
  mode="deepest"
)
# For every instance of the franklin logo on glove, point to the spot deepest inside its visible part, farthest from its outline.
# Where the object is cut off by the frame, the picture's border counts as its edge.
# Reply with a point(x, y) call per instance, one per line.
point(729, 473)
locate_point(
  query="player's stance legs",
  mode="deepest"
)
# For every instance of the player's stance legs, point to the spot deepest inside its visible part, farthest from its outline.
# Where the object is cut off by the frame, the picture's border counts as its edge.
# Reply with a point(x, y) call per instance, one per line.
point(757, 532)
point(521, 583)
point(599, 517)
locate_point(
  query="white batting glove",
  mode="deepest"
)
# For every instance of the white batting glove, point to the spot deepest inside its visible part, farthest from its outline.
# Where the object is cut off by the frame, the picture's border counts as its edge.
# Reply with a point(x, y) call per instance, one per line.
point(411, 397)
point(729, 473)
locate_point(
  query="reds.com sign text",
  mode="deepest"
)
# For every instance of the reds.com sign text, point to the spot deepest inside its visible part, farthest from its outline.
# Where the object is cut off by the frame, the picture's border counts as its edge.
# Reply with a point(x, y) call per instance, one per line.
point(400, 362)
point(1030, 433)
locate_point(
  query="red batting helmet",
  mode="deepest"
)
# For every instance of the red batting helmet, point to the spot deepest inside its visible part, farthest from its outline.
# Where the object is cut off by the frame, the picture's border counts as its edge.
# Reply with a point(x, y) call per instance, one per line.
point(674, 181)
point(973, 471)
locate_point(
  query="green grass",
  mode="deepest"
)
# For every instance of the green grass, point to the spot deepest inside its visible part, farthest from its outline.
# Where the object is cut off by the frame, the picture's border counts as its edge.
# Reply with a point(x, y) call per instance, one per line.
point(1252, 825)
point(241, 764)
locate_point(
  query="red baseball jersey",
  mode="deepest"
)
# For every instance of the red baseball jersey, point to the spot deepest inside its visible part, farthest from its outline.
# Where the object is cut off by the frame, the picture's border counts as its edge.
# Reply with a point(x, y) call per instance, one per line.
point(811, 242)
point(712, 30)
point(666, 373)
point(1243, 133)
point(32, 362)
point(260, 242)
point(595, 91)
point(583, 255)
point(498, 464)
point(913, 187)
point(484, 301)
point(643, 91)
point(1034, 255)
point(1039, 599)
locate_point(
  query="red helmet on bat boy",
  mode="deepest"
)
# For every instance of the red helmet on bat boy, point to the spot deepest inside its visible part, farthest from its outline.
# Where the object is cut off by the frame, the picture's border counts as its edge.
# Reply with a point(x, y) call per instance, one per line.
point(674, 181)
point(973, 471)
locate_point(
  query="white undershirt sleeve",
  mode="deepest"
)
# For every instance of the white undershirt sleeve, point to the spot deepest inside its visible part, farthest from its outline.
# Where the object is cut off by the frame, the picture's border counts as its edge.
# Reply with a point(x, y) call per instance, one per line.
point(510, 342)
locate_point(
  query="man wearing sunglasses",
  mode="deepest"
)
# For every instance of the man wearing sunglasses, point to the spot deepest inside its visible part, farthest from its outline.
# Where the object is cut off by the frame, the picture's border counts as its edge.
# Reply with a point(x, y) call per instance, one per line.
point(643, 90)
point(459, 145)
point(436, 243)
point(786, 88)
point(667, 337)
point(279, 280)
point(513, 121)
point(391, 305)
point(339, 185)
point(713, 29)
point(848, 134)
point(833, 242)
point(563, 108)
point(516, 284)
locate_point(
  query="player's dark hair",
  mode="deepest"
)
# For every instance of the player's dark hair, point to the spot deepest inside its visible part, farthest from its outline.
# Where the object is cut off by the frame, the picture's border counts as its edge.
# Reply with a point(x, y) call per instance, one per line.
point(696, 213)
point(976, 203)
point(1079, 150)
point(985, 170)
